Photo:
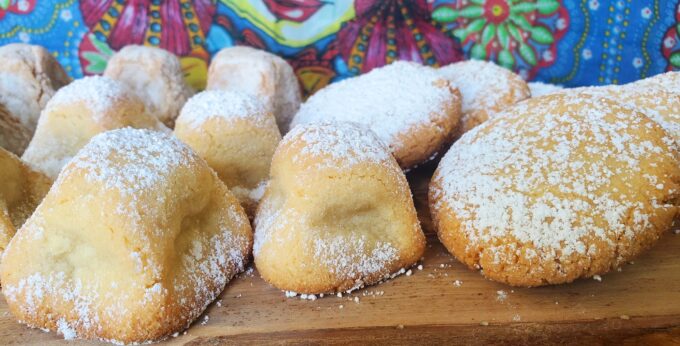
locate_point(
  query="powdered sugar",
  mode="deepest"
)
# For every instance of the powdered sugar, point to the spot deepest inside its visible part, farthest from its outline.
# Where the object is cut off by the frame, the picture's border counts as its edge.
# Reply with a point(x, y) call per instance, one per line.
point(539, 89)
point(329, 143)
point(538, 178)
point(98, 94)
point(391, 101)
point(669, 81)
point(223, 104)
point(484, 85)
point(353, 255)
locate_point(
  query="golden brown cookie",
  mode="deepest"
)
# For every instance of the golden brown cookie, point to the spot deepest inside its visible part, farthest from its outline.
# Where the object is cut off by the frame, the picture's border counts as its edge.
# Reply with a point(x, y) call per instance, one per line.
point(655, 102)
point(337, 213)
point(668, 81)
point(410, 107)
point(21, 190)
point(29, 76)
point(485, 88)
point(556, 188)
point(77, 113)
point(155, 75)
point(259, 73)
point(134, 240)
point(236, 134)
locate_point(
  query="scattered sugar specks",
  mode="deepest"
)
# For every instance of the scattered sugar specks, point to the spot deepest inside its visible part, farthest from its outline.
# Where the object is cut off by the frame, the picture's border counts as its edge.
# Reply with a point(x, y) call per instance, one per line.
point(409, 272)
point(516, 318)
point(457, 283)
point(420, 267)
point(501, 295)
point(597, 278)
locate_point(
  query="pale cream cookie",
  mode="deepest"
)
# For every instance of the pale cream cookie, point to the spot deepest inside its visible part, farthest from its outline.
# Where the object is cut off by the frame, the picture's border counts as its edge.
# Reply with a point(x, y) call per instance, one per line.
point(260, 73)
point(236, 134)
point(155, 75)
point(77, 113)
point(29, 76)
point(134, 240)
point(337, 213)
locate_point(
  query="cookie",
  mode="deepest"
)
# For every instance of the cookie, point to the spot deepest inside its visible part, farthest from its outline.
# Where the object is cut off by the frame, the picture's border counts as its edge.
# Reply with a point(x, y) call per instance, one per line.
point(485, 87)
point(236, 134)
point(556, 188)
point(29, 76)
point(410, 108)
point(668, 81)
point(77, 113)
point(21, 190)
point(661, 106)
point(539, 88)
point(260, 73)
point(337, 213)
point(134, 240)
point(155, 75)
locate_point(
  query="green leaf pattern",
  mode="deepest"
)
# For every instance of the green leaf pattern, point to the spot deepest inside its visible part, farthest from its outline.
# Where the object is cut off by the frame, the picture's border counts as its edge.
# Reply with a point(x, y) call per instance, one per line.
point(511, 34)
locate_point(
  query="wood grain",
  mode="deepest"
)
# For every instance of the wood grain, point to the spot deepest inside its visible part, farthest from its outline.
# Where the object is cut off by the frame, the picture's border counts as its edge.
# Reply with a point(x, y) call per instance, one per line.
point(638, 305)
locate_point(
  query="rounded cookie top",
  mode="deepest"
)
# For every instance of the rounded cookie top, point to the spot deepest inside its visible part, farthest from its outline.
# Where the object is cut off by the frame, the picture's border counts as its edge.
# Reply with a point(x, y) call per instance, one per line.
point(556, 188)
point(655, 102)
point(408, 106)
point(484, 85)
point(225, 105)
point(669, 81)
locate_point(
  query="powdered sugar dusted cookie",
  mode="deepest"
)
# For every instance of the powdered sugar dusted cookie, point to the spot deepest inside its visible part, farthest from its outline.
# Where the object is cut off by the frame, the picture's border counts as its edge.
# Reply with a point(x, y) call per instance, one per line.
point(155, 75)
point(236, 134)
point(259, 73)
point(337, 213)
point(29, 76)
point(669, 82)
point(485, 88)
point(410, 107)
point(137, 236)
point(661, 106)
point(556, 188)
point(21, 190)
point(539, 89)
point(77, 113)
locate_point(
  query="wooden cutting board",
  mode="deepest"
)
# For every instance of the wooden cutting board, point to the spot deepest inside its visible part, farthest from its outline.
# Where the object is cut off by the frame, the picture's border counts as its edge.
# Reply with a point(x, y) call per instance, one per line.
point(442, 303)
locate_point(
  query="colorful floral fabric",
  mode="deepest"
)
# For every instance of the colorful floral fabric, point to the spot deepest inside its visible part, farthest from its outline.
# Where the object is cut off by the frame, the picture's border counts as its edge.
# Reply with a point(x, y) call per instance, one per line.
point(581, 42)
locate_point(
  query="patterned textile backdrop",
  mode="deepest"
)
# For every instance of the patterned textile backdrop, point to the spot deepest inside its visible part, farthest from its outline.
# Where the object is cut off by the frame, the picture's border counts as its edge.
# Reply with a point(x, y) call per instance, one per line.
point(579, 42)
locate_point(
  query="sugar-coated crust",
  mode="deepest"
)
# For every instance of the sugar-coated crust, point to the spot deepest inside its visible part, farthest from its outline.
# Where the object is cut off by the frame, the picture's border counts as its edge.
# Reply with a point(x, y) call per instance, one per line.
point(554, 189)
point(653, 100)
point(237, 135)
point(21, 191)
point(136, 237)
point(156, 76)
point(337, 213)
point(410, 107)
point(258, 72)
point(486, 88)
point(77, 113)
point(29, 76)
point(668, 81)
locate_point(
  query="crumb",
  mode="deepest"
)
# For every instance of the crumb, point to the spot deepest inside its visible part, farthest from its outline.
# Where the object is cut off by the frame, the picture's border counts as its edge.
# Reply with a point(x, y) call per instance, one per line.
point(516, 318)
point(341, 306)
point(339, 294)
point(458, 283)
point(219, 303)
point(290, 294)
point(676, 231)
point(501, 295)
point(597, 278)
point(176, 334)
point(484, 323)
point(624, 317)
point(321, 295)
point(206, 318)
point(409, 272)
point(619, 269)
point(420, 267)
point(441, 265)
point(557, 303)
point(240, 295)
point(356, 299)
point(400, 326)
